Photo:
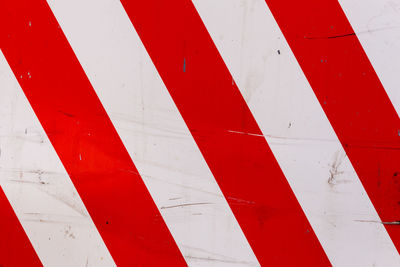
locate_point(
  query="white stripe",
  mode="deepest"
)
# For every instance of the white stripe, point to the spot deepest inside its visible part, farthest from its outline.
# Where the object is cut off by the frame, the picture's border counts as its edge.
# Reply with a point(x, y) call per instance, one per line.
point(38, 187)
point(298, 132)
point(377, 25)
point(153, 132)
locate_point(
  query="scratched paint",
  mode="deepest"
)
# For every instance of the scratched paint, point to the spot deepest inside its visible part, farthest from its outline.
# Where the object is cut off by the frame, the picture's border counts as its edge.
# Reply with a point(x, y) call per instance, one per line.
point(302, 139)
point(154, 133)
point(38, 187)
point(175, 171)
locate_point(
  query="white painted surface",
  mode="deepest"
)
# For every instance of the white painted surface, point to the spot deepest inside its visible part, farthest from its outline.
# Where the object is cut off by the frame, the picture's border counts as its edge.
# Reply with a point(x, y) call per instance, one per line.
point(38, 187)
point(153, 132)
point(377, 25)
point(165, 154)
point(298, 132)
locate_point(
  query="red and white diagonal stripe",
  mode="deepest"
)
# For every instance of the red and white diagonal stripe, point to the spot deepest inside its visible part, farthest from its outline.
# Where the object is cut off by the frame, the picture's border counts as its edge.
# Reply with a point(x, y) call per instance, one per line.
point(200, 133)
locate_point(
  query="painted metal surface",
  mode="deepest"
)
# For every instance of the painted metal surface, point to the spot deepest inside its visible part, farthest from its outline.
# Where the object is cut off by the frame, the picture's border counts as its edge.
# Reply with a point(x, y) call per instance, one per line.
point(200, 133)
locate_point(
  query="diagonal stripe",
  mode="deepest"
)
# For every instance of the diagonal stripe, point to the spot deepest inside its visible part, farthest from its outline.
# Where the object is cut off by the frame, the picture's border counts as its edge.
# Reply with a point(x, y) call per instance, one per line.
point(84, 137)
point(153, 132)
point(377, 25)
point(226, 132)
point(39, 188)
point(301, 138)
point(351, 95)
point(15, 247)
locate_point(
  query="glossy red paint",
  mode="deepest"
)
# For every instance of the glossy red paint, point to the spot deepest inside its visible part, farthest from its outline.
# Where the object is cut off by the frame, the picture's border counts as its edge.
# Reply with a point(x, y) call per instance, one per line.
point(226, 132)
point(15, 247)
point(84, 137)
point(352, 96)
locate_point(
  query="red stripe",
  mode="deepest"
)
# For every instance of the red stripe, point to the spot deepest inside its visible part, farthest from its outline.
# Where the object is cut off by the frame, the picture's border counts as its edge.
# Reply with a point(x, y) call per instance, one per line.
point(84, 137)
point(351, 95)
point(221, 123)
point(15, 247)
